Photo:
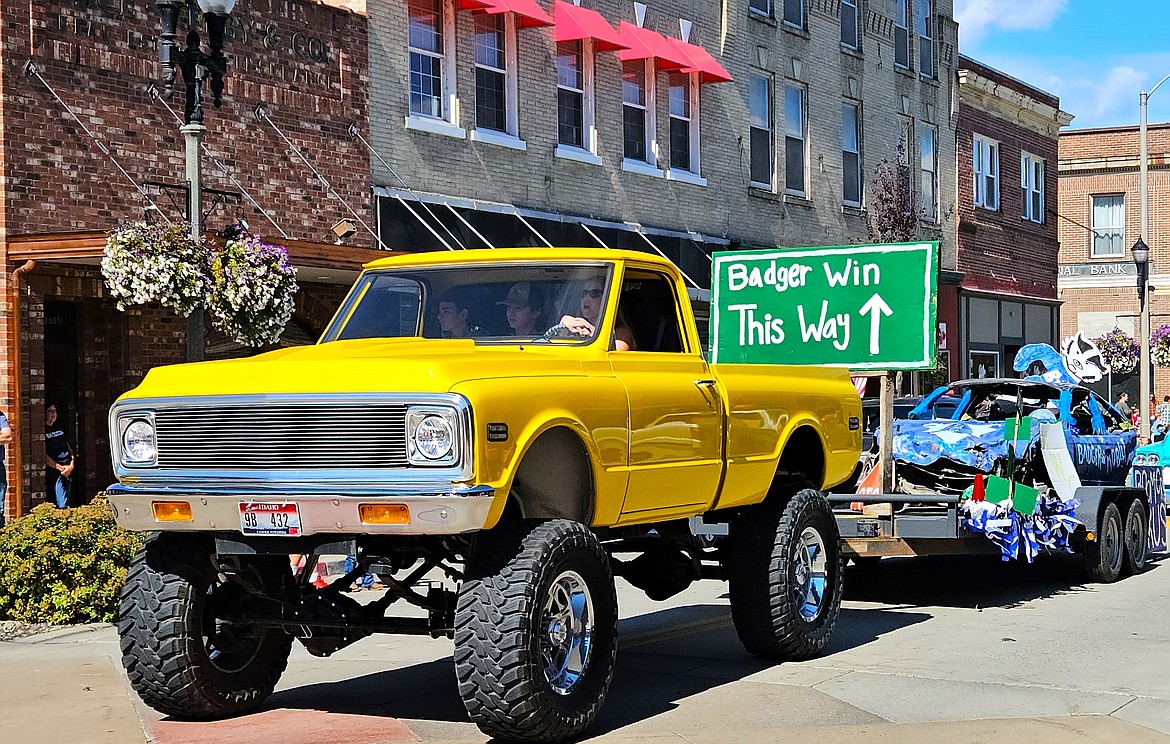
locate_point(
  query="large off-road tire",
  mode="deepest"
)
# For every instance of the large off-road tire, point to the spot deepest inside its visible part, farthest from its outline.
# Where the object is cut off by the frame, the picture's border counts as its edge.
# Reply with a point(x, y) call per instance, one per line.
point(1104, 557)
point(180, 659)
point(786, 576)
point(1137, 536)
point(536, 631)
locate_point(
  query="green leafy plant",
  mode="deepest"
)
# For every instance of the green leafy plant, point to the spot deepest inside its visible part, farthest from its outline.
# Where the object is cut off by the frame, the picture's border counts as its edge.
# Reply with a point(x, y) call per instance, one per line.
point(64, 566)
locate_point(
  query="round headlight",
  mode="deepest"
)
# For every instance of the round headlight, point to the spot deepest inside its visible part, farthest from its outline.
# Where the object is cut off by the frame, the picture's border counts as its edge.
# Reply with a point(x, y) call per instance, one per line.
point(1152, 459)
point(1139, 459)
point(138, 443)
point(433, 437)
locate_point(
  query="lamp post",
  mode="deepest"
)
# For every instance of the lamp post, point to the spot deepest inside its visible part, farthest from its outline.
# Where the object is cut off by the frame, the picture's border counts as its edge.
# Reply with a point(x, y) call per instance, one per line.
point(1143, 262)
point(1141, 257)
point(195, 65)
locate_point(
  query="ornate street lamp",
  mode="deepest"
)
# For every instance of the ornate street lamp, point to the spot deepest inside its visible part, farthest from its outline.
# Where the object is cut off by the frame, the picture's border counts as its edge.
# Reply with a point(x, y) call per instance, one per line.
point(1141, 257)
point(195, 65)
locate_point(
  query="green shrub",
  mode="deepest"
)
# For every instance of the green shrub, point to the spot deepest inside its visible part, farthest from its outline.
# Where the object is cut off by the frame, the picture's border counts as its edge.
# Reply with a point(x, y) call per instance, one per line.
point(64, 565)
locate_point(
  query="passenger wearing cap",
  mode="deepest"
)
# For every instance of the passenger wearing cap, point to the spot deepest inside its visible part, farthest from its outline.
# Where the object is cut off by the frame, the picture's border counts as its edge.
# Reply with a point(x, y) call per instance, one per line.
point(523, 307)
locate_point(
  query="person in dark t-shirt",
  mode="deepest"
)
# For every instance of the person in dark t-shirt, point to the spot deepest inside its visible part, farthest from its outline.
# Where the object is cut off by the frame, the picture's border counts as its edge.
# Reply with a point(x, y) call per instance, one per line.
point(59, 459)
point(5, 438)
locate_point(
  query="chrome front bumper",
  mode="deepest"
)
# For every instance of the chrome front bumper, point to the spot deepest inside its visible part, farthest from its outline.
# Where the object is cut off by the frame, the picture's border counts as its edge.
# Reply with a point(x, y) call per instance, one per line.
point(432, 511)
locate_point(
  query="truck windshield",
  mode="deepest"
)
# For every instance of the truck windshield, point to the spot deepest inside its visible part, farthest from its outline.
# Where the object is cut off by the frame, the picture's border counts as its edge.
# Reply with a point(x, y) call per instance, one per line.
point(501, 303)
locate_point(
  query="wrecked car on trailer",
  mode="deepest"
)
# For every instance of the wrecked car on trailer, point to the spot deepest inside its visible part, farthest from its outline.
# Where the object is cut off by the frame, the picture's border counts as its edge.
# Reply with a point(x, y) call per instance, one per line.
point(944, 455)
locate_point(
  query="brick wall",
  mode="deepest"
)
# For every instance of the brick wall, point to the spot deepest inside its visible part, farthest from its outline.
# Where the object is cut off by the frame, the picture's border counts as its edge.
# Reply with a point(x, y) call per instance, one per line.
point(536, 178)
point(1106, 161)
point(304, 61)
point(1000, 251)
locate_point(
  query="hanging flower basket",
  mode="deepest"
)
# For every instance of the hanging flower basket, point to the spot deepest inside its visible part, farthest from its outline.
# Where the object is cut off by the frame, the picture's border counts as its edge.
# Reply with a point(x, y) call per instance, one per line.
point(155, 263)
point(250, 290)
point(1120, 350)
point(1160, 346)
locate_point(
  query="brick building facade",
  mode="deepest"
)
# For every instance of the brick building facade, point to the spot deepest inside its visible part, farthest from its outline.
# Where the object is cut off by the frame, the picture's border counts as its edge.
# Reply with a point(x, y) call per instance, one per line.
point(304, 61)
point(1007, 207)
point(659, 158)
point(1100, 209)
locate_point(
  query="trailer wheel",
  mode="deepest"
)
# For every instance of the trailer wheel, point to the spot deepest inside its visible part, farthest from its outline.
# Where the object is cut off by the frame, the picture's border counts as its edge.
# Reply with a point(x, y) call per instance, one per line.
point(1137, 542)
point(180, 657)
point(786, 576)
point(535, 631)
point(1105, 556)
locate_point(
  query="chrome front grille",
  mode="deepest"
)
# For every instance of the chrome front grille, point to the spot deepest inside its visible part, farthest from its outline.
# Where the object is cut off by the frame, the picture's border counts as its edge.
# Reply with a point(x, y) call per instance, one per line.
point(282, 436)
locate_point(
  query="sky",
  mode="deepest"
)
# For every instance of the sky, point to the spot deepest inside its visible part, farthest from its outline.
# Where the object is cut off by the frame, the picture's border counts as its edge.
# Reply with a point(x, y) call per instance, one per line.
point(1096, 55)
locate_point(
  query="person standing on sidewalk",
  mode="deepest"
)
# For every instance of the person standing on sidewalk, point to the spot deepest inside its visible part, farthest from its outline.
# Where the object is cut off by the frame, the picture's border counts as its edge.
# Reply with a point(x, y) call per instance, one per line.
point(59, 459)
point(5, 438)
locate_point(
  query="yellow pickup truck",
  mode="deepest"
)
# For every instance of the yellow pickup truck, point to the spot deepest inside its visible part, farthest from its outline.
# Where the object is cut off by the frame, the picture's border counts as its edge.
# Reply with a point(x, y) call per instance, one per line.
point(496, 435)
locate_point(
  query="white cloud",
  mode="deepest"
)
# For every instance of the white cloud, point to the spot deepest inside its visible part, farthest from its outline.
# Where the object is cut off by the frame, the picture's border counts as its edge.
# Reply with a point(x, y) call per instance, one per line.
point(1101, 91)
point(976, 16)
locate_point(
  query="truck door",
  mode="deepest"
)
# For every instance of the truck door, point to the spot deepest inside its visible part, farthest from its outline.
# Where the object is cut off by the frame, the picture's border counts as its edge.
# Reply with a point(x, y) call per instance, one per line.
point(676, 412)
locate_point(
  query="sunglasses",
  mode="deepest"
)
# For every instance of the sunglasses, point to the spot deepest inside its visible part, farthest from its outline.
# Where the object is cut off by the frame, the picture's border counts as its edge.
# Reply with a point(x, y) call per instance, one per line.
point(594, 293)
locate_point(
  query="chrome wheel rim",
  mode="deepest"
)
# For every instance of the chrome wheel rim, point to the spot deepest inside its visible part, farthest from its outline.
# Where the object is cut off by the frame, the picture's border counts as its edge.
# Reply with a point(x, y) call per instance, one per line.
point(567, 620)
point(1135, 536)
point(811, 574)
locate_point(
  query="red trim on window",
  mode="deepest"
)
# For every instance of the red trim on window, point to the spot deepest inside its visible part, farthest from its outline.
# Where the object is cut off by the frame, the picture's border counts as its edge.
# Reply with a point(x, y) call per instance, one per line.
point(528, 12)
point(574, 23)
point(642, 43)
point(709, 70)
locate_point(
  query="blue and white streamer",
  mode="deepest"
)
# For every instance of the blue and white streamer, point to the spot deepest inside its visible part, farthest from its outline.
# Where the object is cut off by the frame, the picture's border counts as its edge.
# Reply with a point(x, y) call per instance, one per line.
point(1048, 528)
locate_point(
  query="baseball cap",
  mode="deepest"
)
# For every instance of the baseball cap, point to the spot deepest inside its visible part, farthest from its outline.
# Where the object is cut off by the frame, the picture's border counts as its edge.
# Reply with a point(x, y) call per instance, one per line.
point(523, 294)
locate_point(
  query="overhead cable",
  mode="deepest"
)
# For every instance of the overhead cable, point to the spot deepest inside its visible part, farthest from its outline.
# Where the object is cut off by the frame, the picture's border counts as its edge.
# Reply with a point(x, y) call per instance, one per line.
point(153, 92)
point(262, 114)
point(31, 70)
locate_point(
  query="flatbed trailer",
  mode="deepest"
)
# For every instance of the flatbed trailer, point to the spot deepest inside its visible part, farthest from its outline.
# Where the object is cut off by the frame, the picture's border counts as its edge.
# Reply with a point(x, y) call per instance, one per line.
point(1114, 536)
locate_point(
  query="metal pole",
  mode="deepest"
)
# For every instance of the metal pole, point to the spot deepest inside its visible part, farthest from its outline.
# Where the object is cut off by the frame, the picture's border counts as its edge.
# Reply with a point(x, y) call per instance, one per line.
point(1144, 278)
point(192, 134)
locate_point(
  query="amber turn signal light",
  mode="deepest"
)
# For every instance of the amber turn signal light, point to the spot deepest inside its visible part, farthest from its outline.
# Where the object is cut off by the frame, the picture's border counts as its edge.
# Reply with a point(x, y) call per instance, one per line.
point(384, 513)
point(172, 511)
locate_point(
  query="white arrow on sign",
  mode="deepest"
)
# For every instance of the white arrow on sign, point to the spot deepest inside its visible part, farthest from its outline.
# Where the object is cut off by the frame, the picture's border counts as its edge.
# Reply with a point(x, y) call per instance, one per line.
point(878, 307)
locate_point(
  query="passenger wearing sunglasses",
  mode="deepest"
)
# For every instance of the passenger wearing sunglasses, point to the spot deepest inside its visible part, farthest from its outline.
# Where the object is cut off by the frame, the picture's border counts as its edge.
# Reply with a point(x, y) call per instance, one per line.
point(586, 325)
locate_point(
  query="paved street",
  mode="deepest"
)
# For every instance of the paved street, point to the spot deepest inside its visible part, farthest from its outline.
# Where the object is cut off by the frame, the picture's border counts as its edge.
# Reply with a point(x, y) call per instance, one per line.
point(956, 650)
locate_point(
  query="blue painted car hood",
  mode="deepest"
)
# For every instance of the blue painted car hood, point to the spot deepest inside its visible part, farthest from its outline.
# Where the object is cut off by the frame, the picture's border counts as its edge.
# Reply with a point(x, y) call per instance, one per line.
point(978, 444)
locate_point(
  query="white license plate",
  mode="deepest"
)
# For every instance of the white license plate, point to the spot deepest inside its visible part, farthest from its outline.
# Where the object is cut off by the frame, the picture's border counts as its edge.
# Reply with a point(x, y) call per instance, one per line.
point(268, 518)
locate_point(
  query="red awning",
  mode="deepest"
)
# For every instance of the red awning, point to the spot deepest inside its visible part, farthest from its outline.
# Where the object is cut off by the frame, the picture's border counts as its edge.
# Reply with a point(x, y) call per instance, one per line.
point(642, 43)
point(709, 70)
point(528, 12)
point(574, 23)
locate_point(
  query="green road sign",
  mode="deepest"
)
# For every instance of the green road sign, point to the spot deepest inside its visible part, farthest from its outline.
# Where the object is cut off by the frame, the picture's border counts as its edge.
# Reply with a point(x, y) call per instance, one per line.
point(857, 306)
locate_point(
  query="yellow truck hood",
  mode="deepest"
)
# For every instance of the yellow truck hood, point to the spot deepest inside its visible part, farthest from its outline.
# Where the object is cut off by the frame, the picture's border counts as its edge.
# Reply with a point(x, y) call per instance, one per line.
point(358, 366)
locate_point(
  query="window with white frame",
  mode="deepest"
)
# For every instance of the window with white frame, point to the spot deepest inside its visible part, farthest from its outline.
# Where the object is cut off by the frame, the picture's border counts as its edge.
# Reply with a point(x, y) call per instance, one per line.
point(637, 108)
point(684, 122)
point(926, 38)
point(760, 129)
point(849, 16)
point(928, 170)
point(851, 153)
point(495, 101)
point(761, 7)
point(795, 139)
point(902, 33)
point(575, 95)
point(794, 13)
point(1032, 184)
point(1108, 217)
point(429, 81)
point(985, 162)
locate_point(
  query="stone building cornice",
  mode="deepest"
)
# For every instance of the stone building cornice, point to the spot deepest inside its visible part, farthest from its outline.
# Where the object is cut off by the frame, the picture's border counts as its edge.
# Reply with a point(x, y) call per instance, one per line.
point(1000, 100)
